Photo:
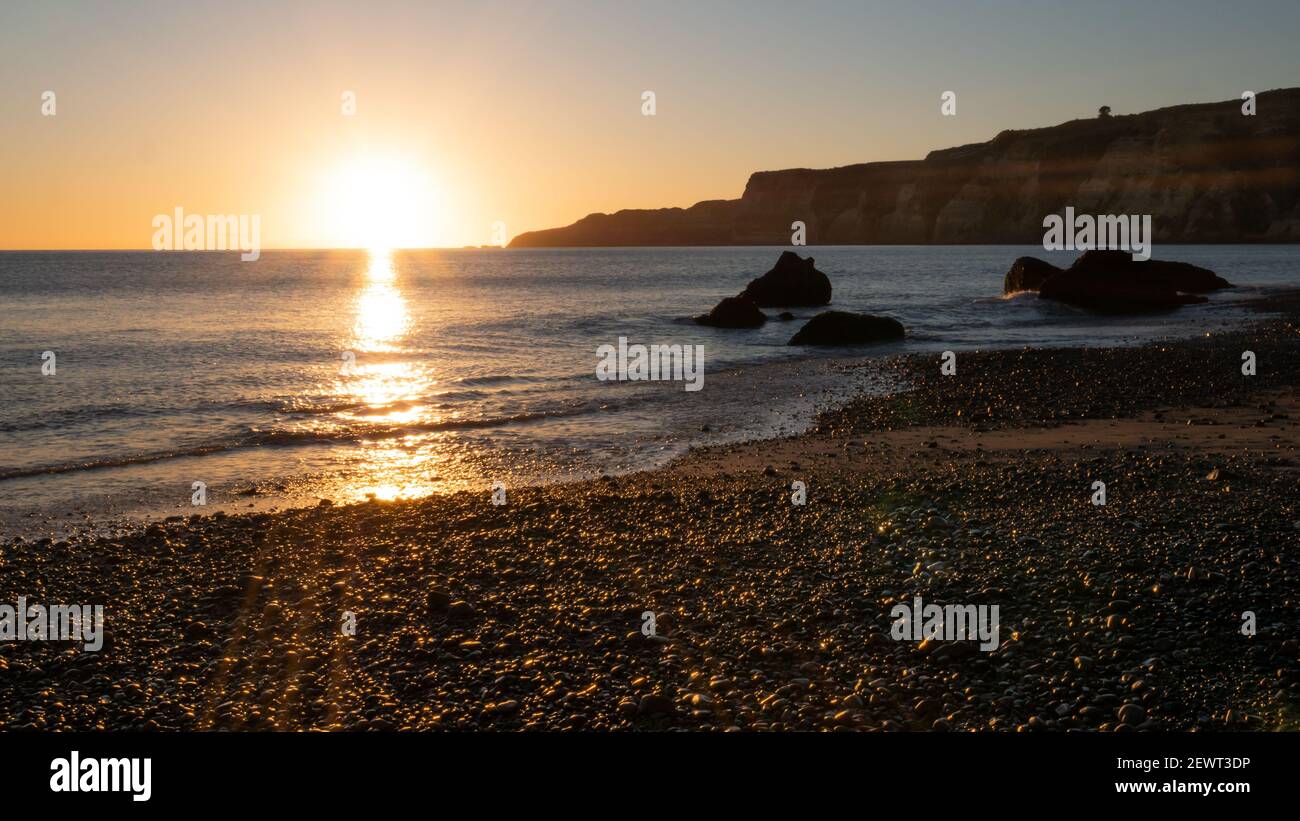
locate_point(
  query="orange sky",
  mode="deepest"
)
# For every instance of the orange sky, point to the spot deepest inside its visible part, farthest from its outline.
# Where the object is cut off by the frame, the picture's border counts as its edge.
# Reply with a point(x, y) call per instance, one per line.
point(529, 113)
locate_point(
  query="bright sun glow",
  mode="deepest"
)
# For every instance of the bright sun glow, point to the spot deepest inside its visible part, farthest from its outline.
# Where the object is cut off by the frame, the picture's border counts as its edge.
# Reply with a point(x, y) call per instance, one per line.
point(382, 202)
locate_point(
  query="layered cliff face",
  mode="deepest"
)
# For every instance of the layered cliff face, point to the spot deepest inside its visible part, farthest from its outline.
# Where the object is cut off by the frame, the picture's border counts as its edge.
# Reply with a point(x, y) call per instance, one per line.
point(1205, 173)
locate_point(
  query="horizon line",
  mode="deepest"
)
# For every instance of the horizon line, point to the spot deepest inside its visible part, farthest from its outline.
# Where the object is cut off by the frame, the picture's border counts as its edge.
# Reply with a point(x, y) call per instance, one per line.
point(575, 247)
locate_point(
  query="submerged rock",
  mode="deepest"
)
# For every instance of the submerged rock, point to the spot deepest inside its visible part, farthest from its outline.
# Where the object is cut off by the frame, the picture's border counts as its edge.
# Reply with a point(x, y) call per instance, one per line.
point(846, 328)
point(792, 281)
point(733, 312)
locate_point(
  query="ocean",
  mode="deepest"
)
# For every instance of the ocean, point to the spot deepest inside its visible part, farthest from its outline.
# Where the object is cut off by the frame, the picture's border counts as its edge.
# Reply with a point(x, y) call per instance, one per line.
point(348, 375)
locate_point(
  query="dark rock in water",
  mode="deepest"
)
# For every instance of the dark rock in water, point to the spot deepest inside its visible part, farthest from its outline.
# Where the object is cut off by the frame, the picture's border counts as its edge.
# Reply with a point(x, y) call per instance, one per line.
point(792, 281)
point(1178, 276)
point(785, 316)
point(734, 312)
point(1027, 274)
point(1112, 282)
point(845, 328)
point(1183, 276)
point(1112, 297)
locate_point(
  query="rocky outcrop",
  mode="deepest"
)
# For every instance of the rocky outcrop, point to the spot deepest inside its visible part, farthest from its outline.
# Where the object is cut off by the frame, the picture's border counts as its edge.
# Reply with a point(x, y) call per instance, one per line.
point(1027, 274)
point(734, 312)
point(1112, 282)
point(1205, 173)
point(1113, 295)
point(1160, 273)
point(792, 281)
point(845, 328)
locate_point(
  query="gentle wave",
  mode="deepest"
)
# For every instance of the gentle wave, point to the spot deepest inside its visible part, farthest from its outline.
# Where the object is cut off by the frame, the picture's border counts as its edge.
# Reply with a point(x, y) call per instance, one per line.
point(288, 438)
point(55, 419)
point(497, 379)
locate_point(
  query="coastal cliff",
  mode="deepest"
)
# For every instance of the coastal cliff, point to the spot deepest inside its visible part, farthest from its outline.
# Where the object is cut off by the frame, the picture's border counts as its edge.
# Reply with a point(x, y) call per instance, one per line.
point(1205, 172)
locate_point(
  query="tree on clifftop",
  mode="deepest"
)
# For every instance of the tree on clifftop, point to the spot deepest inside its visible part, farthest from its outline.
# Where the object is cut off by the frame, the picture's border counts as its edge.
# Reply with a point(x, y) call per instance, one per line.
point(1103, 112)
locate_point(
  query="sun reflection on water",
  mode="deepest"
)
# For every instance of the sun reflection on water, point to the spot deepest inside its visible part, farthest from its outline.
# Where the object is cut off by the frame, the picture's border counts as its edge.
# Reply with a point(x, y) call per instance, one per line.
point(385, 393)
point(382, 318)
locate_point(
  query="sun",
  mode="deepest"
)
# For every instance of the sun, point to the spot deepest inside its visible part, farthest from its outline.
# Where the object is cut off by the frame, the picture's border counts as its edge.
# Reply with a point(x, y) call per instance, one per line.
point(377, 201)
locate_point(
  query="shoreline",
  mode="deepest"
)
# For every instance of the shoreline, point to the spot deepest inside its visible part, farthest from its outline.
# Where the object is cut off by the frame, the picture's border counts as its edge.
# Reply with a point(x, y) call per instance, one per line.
point(844, 377)
point(769, 615)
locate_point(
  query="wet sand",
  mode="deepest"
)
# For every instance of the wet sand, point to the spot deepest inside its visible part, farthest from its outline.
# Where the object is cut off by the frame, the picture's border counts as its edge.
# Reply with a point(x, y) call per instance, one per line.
point(968, 489)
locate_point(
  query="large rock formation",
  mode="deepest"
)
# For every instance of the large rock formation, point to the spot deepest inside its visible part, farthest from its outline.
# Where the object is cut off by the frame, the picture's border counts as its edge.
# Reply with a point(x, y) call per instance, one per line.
point(1205, 173)
point(846, 328)
point(1112, 282)
point(792, 281)
point(1181, 276)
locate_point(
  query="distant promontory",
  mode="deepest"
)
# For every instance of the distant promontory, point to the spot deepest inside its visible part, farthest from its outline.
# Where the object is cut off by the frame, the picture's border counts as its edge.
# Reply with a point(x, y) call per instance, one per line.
point(1205, 173)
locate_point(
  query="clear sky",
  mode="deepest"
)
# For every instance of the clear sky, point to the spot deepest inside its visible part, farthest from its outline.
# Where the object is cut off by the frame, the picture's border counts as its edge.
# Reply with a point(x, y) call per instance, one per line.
point(529, 113)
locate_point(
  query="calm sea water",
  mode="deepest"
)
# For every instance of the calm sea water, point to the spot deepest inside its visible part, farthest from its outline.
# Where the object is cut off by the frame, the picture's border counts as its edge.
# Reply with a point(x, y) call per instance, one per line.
point(470, 366)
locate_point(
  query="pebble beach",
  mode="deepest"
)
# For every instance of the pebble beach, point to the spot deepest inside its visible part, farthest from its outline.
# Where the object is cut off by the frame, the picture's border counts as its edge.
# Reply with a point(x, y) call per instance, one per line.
point(452, 613)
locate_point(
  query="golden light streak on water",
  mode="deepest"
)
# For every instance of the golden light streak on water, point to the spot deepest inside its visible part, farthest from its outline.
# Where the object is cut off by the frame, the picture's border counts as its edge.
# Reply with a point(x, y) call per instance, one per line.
point(387, 387)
